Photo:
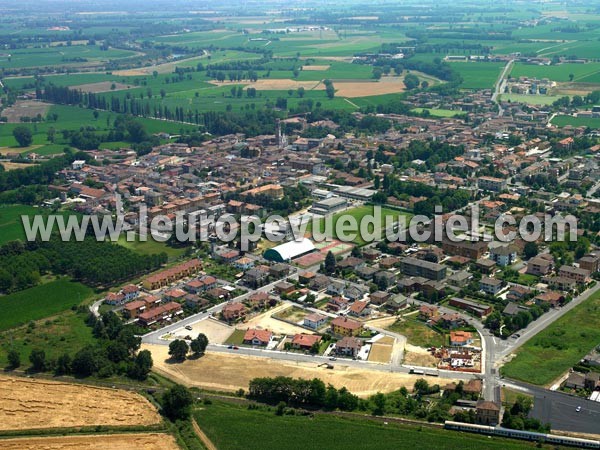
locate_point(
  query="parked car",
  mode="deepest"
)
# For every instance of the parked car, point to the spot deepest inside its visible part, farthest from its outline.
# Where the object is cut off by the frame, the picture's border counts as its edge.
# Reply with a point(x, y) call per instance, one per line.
point(188, 327)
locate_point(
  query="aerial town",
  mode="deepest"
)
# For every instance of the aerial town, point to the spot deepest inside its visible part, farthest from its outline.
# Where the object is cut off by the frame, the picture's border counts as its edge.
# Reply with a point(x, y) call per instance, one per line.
point(232, 304)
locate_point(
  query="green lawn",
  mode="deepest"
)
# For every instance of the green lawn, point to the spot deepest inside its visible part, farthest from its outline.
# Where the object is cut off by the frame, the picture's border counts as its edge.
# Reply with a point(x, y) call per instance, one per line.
point(562, 121)
point(233, 427)
point(151, 247)
point(418, 333)
point(11, 225)
point(438, 112)
point(359, 214)
point(41, 301)
point(236, 338)
point(550, 353)
point(65, 332)
point(478, 75)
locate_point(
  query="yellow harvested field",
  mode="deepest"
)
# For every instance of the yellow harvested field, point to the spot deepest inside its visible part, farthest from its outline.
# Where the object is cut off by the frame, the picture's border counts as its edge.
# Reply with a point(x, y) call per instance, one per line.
point(160, 68)
point(352, 89)
point(101, 86)
point(225, 372)
point(283, 84)
point(381, 351)
point(137, 441)
point(8, 150)
point(12, 166)
point(419, 356)
point(31, 403)
point(316, 67)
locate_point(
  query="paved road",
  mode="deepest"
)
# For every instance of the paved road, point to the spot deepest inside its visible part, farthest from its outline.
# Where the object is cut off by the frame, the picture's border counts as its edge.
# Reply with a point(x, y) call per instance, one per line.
point(501, 84)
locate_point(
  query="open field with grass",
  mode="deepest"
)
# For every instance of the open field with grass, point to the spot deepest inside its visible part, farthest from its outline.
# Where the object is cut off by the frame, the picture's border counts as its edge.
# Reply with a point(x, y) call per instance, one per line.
point(41, 301)
point(151, 247)
point(53, 56)
point(530, 99)
point(130, 441)
point(563, 121)
point(65, 332)
point(231, 427)
point(358, 214)
point(39, 404)
point(438, 112)
point(478, 75)
point(417, 333)
point(558, 347)
point(584, 73)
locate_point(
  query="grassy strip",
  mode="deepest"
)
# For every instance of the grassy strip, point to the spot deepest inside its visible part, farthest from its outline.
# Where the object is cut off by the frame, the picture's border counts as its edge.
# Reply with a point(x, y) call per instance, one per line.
point(559, 347)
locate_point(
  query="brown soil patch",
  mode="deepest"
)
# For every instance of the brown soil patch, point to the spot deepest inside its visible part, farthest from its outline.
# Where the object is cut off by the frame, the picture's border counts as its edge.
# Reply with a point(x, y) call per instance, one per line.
point(101, 86)
point(381, 351)
point(12, 166)
point(216, 332)
point(352, 89)
point(279, 85)
point(316, 67)
point(226, 372)
point(29, 403)
point(138, 441)
point(8, 150)
point(25, 108)
point(160, 68)
point(266, 322)
point(419, 359)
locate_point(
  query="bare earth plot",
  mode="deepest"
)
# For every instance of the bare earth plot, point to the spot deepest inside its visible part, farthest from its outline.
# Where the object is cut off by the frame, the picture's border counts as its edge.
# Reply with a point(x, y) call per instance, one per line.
point(30, 404)
point(216, 332)
point(419, 356)
point(231, 372)
point(266, 322)
point(316, 67)
point(283, 84)
point(25, 108)
point(353, 89)
point(101, 86)
point(381, 351)
point(160, 68)
point(12, 166)
point(149, 441)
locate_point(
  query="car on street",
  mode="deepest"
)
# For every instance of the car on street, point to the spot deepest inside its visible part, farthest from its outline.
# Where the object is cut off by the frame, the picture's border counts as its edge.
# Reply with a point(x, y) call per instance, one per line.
point(578, 409)
point(235, 347)
point(188, 327)
point(230, 347)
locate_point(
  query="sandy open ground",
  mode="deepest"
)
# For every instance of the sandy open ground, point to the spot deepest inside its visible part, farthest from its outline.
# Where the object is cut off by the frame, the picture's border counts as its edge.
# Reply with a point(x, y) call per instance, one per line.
point(216, 332)
point(231, 372)
point(25, 108)
point(419, 356)
point(283, 84)
point(137, 441)
point(265, 321)
point(316, 67)
point(29, 403)
point(168, 67)
point(101, 86)
point(381, 351)
point(353, 89)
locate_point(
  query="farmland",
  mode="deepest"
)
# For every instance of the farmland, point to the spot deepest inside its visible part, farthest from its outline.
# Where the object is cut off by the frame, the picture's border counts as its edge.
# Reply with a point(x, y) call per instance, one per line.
point(559, 346)
point(562, 121)
point(231, 427)
point(478, 75)
point(41, 301)
point(27, 404)
point(129, 441)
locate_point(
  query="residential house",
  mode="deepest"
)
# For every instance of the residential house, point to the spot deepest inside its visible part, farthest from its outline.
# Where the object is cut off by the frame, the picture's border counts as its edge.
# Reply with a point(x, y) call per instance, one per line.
point(284, 288)
point(256, 277)
point(555, 299)
point(379, 297)
point(468, 249)
point(490, 286)
point(503, 255)
point(344, 326)
point(232, 312)
point(160, 313)
point(476, 308)
point(337, 303)
point(130, 292)
point(581, 276)
point(258, 300)
point(134, 308)
point(487, 413)
point(305, 341)
point(115, 299)
point(359, 309)
point(540, 265)
point(428, 312)
point(336, 287)
point(395, 303)
point(354, 292)
point(560, 283)
point(461, 338)
point(419, 268)
point(314, 321)
point(261, 338)
point(590, 262)
point(348, 346)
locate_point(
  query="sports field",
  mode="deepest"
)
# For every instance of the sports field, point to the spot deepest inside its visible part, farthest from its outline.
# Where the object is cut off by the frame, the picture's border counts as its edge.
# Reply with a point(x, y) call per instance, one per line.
point(562, 121)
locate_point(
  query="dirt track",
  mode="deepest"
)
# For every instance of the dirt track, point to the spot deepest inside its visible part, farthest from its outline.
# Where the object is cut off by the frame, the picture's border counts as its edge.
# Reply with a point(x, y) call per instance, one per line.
point(30, 404)
point(138, 441)
point(229, 373)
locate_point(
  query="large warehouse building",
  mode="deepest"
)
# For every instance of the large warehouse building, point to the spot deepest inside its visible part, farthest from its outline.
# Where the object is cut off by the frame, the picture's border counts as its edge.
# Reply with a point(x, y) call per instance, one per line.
point(289, 250)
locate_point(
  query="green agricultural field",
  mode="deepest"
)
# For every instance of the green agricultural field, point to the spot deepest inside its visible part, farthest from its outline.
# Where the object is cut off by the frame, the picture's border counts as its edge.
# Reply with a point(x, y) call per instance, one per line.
point(563, 121)
point(65, 332)
point(41, 301)
point(558, 347)
point(584, 73)
point(359, 213)
point(530, 99)
point(53, 56)
point(231, 427)
point(11, 226)
point(438, 112)
point(478, 75)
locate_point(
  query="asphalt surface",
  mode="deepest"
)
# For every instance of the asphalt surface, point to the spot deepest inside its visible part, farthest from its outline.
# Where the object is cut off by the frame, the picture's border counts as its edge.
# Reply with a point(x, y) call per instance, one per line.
point(560, 409)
